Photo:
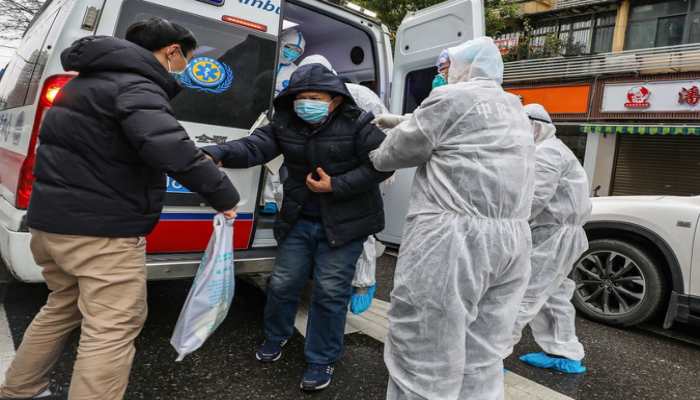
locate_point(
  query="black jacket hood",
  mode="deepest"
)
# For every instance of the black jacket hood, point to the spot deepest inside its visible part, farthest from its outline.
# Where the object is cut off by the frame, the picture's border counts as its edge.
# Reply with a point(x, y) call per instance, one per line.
point(317, 78)
point(106, 53)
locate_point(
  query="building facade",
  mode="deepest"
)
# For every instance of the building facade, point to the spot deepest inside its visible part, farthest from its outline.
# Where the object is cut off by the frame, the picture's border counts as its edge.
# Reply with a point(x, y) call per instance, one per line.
point(622, 87)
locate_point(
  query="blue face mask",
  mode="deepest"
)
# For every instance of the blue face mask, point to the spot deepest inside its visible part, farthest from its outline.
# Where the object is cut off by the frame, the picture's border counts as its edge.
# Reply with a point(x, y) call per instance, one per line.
point(439, 80)
point(311, 111)
point(290, 54)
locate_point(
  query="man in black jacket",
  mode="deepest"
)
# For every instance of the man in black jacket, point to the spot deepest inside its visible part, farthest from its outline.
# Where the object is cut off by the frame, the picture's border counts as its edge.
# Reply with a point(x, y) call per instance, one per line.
point(331, 204)
point(106, 146)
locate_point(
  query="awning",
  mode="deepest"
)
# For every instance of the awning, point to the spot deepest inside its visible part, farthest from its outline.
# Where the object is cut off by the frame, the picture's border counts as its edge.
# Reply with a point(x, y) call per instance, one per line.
point(644, 129)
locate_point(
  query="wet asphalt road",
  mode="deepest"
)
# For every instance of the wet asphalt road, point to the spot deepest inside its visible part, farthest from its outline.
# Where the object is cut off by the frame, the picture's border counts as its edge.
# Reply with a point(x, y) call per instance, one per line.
point(622, 364)
point(225, 367)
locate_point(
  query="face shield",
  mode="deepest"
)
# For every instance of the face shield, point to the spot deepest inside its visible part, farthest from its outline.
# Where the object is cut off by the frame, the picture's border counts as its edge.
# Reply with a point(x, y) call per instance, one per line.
point(292, 44)
point(542, 127)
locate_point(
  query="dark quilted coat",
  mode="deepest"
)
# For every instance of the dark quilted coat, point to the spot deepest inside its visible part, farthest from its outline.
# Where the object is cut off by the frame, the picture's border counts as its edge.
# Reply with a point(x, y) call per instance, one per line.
point(340, 146)
point(107, 143)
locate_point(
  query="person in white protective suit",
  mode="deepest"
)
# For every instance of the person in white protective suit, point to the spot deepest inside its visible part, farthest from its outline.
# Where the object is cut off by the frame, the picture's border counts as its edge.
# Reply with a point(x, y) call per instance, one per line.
point(464, 262)
point(560, 208)
point(364, 282)
point(292, 44)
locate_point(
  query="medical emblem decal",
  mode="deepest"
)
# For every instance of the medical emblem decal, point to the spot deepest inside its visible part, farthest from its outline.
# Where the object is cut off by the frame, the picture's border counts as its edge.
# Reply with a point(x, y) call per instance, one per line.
point(208, 75)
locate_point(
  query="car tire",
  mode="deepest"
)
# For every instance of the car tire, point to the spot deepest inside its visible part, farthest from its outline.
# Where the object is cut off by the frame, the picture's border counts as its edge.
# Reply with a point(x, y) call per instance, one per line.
point(618, 283)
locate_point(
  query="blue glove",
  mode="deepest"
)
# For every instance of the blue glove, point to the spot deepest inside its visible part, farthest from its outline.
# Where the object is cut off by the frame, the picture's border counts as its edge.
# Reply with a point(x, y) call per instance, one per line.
point(560, 364)
point(270, 208)
point(360, 303)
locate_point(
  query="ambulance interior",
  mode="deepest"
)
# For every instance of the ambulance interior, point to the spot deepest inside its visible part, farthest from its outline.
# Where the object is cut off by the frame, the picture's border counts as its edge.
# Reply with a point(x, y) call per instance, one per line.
point(349, 49)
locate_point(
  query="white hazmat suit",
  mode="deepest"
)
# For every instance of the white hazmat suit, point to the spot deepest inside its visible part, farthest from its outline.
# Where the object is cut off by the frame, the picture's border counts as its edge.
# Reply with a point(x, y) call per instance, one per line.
point(294, 39)
point(464, 260)
point(560, 208)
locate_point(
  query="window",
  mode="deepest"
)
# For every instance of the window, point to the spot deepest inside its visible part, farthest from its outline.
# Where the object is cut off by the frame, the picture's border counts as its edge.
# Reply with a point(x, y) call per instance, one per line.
point(583, 34)
point(250, 57)
point(654, 23)
point(418, 86)
point(604, 31)
point(24, 71)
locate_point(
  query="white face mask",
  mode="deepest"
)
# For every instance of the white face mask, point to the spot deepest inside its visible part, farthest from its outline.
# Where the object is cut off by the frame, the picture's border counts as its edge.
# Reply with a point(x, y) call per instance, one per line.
point(178, 75)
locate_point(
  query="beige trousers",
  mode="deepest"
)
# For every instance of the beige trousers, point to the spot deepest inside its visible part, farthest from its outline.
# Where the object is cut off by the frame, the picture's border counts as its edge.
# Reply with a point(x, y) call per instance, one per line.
point(98, 284)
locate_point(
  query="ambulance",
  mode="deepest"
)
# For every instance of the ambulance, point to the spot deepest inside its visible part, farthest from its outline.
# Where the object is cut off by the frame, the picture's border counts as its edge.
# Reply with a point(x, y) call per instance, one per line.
point(239, 42)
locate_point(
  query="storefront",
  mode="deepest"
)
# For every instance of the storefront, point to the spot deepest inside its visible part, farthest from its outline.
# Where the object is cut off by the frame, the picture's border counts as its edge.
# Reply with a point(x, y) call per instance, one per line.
point(633, 136)
point(653, 160)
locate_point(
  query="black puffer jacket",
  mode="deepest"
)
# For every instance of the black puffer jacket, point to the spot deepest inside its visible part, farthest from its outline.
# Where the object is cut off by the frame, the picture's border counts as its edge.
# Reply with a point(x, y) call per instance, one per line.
point(340, 146)
point(108, 141)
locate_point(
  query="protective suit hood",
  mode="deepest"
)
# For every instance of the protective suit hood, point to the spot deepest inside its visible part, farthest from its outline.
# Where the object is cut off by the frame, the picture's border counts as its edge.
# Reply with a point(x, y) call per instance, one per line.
point(318, 59)
point(475, 59)
point(293, 37)
point(542, 127)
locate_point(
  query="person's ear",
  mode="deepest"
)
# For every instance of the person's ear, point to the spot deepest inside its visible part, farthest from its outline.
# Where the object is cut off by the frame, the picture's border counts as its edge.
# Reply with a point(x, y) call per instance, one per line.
point(335, 104)
point(171, 51)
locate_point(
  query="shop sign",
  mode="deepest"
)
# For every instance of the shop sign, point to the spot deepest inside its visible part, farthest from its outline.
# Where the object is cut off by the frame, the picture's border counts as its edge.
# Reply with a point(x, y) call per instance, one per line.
point(690, 96)
point(637, 97)
point(664, 96)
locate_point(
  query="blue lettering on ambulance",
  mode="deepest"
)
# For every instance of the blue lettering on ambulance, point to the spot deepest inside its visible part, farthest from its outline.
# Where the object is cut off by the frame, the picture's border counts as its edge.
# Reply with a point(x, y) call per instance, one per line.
point(267, 5)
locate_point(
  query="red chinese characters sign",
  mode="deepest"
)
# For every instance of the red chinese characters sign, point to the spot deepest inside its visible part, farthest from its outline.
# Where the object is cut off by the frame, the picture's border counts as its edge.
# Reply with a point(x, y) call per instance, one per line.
point(690, 96)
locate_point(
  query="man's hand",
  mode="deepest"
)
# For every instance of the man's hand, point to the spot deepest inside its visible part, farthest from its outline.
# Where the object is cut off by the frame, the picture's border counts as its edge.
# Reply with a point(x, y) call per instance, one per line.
point(230, 214)
point(219, 164)
point(320, 186)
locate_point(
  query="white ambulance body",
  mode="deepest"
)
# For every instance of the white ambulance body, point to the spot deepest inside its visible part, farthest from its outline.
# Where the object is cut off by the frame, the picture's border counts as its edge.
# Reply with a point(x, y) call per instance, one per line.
point(240, 39)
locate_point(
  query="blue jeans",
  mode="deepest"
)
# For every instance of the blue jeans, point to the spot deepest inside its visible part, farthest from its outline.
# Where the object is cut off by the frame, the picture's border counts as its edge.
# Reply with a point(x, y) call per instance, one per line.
point(304, 250)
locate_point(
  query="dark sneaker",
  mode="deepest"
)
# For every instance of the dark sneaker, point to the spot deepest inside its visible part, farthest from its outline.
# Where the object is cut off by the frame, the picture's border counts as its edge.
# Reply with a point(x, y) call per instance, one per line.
point(57, 393)
point(270, 350)
point(317, 376)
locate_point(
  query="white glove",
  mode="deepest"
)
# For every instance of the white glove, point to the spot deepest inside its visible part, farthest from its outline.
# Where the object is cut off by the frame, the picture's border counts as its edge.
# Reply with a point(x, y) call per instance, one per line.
point(389, 121)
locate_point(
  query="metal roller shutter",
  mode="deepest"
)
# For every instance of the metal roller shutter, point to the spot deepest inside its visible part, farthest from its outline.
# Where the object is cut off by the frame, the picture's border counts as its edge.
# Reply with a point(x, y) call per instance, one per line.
point(657, 165)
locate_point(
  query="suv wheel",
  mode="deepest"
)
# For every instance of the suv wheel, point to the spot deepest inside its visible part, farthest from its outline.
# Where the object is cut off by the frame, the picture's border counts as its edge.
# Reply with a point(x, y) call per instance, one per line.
point(618, 283)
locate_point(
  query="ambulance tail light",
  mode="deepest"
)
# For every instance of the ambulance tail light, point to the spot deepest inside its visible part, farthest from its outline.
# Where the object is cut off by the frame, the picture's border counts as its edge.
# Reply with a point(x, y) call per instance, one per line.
point(52, 86)
point(245, 23)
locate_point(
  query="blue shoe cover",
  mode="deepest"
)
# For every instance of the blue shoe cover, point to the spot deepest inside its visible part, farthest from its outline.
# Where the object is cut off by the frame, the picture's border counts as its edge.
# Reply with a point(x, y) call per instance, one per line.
point(360, 303)
point(270, 208)
point(560, 364)
point(505, 370)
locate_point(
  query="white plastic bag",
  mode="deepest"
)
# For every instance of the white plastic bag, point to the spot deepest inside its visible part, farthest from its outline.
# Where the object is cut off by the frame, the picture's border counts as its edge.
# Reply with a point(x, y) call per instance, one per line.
point(364, 283)
point(366, 264)
point(212, 291)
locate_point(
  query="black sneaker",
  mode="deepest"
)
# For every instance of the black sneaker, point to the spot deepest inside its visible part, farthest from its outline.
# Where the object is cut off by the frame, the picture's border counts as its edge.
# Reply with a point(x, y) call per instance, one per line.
point(270, 350)
point(57, 393)
point(317, 376)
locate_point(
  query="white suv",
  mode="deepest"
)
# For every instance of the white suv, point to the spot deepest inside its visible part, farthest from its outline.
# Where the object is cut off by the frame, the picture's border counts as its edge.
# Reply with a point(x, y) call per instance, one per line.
point(642, 253)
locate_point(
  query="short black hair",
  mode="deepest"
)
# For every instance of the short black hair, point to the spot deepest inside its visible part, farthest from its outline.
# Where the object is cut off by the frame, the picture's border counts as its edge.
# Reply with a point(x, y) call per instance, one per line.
point(155, 33)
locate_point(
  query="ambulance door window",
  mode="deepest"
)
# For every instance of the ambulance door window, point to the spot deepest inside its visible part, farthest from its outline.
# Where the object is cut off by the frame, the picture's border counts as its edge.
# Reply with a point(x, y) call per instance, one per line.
point(419, 83)
point(27, 62)
point(229, 82)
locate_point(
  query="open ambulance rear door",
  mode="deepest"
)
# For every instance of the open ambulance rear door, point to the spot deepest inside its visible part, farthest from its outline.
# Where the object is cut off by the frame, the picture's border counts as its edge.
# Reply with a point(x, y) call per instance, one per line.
point(419, 41)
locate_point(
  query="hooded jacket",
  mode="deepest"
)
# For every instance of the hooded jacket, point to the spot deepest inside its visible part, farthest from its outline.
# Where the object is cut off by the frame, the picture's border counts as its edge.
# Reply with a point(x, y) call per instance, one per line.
point(340, 146)
point(107, 143)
